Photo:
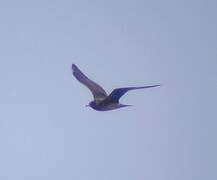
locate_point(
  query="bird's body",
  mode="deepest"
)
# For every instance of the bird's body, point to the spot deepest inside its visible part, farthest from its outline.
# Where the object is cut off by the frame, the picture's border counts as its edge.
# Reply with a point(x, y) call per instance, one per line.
point(106, 106)
point(102, 101)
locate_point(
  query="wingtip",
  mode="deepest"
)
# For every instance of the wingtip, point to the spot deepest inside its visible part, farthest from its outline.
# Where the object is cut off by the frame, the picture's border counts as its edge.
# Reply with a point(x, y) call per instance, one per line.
point(74, 67)
point(157, 85)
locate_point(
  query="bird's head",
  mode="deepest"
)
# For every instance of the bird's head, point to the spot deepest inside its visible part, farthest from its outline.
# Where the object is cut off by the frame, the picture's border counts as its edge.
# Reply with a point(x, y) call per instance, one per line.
point(91, 104)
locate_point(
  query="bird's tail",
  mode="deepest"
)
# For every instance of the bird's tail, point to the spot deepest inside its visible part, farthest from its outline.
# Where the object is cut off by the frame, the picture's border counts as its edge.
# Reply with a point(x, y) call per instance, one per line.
point(124, 105)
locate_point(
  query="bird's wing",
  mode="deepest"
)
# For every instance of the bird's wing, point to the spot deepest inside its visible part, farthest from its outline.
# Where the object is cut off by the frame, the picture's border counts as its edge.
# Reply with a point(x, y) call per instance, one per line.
point(117, 93)
point(97, 91)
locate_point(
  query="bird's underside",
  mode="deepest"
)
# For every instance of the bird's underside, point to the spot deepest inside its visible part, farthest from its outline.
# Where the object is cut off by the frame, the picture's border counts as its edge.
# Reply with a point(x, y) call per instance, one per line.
point(102, 101)
point(108, 106)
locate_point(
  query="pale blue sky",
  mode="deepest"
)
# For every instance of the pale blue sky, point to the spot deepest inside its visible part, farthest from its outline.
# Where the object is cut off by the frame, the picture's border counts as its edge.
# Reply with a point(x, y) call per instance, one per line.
point(46, 132)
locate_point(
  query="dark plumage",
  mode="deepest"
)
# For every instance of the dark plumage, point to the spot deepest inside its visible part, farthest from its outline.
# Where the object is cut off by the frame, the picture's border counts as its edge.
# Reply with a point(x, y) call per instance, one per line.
point(102, 101)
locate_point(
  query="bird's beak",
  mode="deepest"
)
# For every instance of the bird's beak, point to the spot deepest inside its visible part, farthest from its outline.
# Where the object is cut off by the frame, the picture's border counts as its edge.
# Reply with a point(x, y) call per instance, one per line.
point(87, 105)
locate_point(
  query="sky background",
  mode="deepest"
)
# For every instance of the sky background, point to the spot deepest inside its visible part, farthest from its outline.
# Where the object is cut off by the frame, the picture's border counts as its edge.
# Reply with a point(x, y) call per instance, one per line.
point(47, 133)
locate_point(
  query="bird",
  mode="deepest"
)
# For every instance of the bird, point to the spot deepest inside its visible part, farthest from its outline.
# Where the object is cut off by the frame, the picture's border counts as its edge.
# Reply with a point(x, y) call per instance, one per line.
point(102, 101)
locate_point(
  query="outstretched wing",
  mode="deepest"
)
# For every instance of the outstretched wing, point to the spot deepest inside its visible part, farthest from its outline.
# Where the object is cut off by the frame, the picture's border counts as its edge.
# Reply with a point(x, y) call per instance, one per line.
point(117, 93)
point(97, 91)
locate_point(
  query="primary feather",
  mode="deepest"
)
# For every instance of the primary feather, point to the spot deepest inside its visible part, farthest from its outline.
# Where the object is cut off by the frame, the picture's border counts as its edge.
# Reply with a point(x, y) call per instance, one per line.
point(97, 91)
point(116, 94)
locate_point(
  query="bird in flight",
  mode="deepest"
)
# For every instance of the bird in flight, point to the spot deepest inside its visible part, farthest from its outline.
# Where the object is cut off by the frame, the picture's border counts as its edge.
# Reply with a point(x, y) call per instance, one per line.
point(102, 101)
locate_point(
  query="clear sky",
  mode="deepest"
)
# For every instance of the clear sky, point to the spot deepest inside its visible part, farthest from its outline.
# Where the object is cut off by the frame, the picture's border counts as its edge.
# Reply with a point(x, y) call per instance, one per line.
point(47, 133)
